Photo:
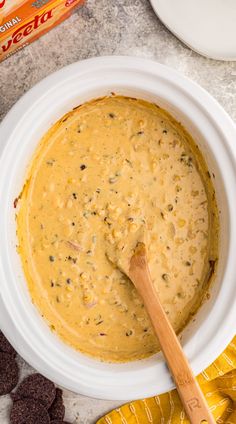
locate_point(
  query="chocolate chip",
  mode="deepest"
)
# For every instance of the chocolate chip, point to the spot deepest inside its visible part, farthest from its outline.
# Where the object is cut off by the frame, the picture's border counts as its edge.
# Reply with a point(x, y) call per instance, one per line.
point(38, 388)
point(9, 373)
point(29, 411)
point(57, 409)
point(5, 346)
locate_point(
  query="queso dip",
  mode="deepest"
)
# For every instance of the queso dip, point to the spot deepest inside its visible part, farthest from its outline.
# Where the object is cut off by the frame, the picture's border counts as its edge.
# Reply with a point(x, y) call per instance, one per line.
point(103, 171)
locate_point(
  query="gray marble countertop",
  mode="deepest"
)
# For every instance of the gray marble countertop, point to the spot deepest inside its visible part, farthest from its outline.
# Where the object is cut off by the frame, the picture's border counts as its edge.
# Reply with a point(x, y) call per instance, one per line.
point(114, 27)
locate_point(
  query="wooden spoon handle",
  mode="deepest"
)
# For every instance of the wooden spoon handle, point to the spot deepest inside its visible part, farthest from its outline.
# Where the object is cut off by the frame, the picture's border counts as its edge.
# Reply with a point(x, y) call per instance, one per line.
point(189, 391)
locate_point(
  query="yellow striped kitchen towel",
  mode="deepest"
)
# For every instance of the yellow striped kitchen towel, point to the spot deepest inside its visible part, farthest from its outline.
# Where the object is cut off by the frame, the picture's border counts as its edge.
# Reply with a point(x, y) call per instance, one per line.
point(218, 383)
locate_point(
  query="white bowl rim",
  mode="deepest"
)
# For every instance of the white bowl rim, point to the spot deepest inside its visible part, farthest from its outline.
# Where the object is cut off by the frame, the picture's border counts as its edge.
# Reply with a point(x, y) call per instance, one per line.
point(129, 385)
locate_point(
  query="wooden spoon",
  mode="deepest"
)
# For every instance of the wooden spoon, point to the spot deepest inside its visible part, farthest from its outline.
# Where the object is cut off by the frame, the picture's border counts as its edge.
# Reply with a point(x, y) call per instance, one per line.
point(189, 391)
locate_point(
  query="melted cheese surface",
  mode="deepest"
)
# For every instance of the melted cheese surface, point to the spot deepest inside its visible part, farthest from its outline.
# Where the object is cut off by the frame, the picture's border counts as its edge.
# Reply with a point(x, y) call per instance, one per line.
point(102, 172)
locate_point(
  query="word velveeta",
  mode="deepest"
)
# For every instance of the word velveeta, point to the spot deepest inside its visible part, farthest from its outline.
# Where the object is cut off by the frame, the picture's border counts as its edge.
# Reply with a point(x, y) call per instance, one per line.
point(22, 22)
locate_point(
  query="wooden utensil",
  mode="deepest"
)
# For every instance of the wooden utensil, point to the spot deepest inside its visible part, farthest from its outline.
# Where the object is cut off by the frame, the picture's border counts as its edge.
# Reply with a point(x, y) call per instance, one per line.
point(189, 391)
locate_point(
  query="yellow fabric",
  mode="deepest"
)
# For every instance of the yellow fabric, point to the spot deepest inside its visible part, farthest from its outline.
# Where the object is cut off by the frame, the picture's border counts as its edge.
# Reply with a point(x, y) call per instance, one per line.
point(218, 383)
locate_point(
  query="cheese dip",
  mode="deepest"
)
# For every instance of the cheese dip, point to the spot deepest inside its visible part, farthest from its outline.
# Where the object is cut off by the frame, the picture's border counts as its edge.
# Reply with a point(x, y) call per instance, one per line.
point(103, 171)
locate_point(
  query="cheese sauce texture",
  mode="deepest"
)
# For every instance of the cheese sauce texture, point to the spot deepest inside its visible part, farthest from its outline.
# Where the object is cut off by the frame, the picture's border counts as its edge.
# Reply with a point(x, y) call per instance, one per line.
point(105, 170)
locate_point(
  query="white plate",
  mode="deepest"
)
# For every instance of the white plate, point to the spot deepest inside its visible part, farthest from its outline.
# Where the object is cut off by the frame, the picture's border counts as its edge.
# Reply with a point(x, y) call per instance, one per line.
point(22, 129)
point(206, 26)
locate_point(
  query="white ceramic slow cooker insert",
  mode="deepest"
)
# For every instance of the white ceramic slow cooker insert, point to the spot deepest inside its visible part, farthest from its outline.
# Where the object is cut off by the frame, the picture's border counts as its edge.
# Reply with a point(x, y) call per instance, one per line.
point(21, 130)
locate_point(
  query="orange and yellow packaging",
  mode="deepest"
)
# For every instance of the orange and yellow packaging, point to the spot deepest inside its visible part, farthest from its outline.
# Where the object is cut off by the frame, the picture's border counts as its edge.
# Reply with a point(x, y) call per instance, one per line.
point(23, 21)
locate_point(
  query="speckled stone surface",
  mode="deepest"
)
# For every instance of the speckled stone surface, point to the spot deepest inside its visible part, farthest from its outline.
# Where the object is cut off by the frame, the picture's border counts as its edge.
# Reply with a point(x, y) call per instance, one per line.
point(114, 27)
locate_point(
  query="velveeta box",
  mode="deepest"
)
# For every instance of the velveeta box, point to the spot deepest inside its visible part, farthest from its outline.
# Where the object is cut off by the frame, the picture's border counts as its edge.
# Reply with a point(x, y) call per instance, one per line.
point(23, 21)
